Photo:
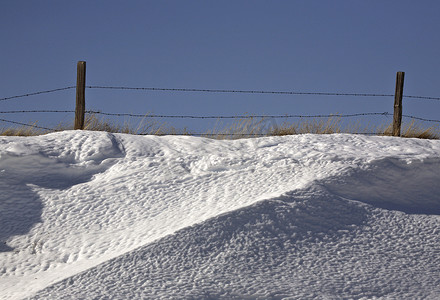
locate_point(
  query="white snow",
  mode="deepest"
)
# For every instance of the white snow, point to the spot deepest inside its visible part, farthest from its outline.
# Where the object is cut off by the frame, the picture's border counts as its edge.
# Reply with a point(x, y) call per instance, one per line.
point(94, 215)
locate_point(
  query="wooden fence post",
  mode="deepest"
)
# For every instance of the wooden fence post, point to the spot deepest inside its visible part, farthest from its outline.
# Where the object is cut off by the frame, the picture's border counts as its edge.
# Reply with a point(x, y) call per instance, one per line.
point(80, 95)
point(397, 119)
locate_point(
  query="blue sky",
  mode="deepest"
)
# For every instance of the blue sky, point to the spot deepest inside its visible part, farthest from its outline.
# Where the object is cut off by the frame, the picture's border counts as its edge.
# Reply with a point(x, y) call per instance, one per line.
point(311, 46)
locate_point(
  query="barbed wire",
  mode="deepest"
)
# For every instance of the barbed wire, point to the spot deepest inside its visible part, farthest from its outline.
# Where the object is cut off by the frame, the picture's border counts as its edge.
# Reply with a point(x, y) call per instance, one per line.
point(210, 117)
point(195, 117)
point(237, 91)
point(256, 92)
point(37, 93)
point(422, 97)
point(178, 134)
point(28, 125)
point(236, 116)
point(36, 111)
point(420, 119)
point(243, 135)
point(220, 117)
point(221, 91)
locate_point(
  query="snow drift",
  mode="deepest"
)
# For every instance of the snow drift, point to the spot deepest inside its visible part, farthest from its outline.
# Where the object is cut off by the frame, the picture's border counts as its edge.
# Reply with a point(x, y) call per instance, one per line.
point(99, 215)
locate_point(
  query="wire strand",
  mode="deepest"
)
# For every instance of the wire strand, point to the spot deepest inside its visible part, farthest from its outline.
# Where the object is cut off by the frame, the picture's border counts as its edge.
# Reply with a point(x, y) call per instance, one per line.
point(36, 111)
point(221, 91)
point(37, 93)
point(235, 117)
point(28, 125)
point(256, 92)
point(422, 97)
point(420, 119)
point(219, 117)
point(236, 91)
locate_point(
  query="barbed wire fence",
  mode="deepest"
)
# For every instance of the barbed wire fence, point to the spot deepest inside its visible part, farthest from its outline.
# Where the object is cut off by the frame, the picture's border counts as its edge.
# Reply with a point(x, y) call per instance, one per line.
point(220, 91)
point(217, 117)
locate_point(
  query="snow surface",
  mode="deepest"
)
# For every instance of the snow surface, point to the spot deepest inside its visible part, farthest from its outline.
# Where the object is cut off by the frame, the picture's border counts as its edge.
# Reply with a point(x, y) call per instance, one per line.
point(94, 215)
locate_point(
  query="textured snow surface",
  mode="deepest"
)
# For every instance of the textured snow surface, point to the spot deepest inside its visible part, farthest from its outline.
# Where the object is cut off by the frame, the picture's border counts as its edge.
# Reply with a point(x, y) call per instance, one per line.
point(93, 215)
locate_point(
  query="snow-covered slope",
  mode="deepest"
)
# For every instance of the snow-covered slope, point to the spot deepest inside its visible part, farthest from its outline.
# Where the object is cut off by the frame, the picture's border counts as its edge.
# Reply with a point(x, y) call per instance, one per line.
point(96, 215)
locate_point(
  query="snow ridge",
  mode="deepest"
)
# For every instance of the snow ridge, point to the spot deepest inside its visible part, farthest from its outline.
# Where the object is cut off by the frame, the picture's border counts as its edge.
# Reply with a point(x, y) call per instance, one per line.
point(307, 244)
point(186, 217)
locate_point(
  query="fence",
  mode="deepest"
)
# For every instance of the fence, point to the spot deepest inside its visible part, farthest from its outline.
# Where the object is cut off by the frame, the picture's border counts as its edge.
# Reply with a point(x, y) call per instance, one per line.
point(80, 109)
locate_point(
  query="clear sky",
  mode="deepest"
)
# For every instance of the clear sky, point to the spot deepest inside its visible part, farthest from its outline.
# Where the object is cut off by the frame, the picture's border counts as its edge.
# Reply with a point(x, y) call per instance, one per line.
point(343, 46)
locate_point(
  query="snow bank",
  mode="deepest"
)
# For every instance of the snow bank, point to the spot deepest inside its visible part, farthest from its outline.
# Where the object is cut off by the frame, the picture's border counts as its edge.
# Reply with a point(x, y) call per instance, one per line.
point(304, 245)
point(166, 217)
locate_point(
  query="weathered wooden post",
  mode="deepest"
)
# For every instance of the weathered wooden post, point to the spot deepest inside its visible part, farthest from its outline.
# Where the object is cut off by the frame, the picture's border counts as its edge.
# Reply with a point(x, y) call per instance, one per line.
point(397, 119)
point(80, 95)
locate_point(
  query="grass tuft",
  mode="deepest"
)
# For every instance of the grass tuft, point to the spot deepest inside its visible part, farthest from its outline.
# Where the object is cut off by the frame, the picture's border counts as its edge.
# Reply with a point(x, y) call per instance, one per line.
point(29, 130)
point(242, 128)
point(316, 126)
point(414, 130)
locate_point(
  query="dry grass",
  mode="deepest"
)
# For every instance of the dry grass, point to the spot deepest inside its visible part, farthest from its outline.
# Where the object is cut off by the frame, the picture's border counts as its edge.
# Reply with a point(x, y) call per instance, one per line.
point(242, 128)
point(414, 130)
point(147, 126)
point(316, 126)
point(334, 125)
point(23, 131)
